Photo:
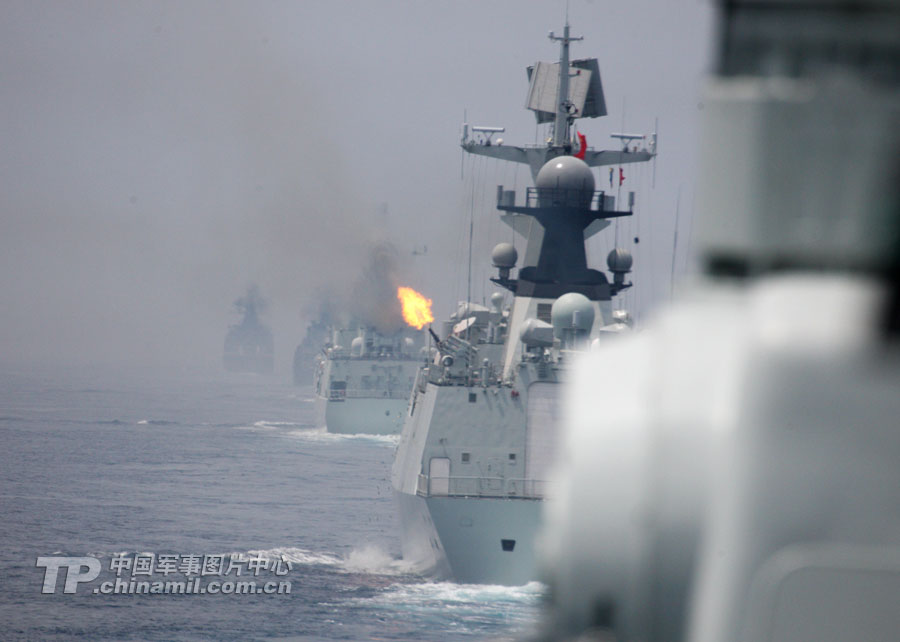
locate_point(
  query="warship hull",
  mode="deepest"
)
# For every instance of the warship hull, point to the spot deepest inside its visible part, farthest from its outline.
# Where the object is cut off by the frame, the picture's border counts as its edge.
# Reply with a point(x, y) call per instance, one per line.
point(372, 416)
point(472, 541)
point(468, 514)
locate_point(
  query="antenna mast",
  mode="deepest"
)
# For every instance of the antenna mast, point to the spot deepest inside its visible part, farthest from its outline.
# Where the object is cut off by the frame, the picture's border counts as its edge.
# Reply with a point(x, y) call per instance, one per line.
point(563, 105)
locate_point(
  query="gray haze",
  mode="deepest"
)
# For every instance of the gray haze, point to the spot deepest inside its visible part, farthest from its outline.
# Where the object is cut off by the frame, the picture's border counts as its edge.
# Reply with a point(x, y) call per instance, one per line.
point(159, 157)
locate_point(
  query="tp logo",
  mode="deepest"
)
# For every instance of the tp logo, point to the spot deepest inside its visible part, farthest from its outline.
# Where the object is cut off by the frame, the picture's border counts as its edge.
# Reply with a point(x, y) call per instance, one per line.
point(74, 573)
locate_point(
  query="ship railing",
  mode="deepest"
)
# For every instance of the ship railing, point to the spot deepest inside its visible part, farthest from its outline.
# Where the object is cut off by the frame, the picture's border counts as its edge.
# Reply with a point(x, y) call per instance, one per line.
point(565, 197)
point(478, 486)
point(342, 356)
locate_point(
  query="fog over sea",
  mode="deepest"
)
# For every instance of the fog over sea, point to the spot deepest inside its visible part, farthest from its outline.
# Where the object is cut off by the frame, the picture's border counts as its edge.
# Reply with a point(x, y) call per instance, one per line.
point(160, 158)
point(115, 464)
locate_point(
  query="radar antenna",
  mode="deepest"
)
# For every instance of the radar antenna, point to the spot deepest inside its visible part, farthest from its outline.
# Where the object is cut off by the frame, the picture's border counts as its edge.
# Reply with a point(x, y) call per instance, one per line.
point(559, 93)
point(565, 109)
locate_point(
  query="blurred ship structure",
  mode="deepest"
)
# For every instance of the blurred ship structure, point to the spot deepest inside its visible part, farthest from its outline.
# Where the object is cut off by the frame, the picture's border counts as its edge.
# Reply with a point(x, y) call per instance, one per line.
point(739, 479)
point(249, 346)
point(316, 337)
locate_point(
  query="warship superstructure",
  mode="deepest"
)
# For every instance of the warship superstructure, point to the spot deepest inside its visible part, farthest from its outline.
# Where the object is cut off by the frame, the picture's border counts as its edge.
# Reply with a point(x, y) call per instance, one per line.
point(471, 469)
point(363, 379)
point(249, 346)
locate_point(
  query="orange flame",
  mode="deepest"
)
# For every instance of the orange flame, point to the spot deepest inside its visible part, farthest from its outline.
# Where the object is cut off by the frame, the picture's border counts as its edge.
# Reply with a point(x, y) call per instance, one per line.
point(416, 308)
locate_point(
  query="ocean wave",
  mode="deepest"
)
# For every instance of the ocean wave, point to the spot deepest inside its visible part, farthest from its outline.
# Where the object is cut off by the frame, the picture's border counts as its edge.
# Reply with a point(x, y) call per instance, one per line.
point(375, 560)
point(369, 559)
point(109, 554)
point(156, 422)
point(298, 556)
point(321, 435)
point(468, 608)
point(461, 594)
point(271, 425)
point(290, 554)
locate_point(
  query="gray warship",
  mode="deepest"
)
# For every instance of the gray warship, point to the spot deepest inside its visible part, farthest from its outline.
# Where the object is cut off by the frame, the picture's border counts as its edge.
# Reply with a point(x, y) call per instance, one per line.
point(471, 468)
point(307, 351)
point(363, 378)
point(364, 373)
point(249, 346)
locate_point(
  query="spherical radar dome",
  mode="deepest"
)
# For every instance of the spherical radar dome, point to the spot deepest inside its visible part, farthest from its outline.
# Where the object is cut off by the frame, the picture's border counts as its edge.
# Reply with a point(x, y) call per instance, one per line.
point(572, 311)
point(619, 260)
point(504, 255)
point(565, 172)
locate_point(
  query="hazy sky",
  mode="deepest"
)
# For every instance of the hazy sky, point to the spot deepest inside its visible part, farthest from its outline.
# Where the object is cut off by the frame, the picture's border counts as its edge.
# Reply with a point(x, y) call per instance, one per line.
point(158, 157)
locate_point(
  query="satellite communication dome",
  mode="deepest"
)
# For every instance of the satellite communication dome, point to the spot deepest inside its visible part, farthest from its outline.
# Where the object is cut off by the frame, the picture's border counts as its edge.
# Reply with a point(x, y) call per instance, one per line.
point(497, 300)
point(572, 311)
point(619, 260)
point(504, 255)
point(356, 346)
point(565, 173)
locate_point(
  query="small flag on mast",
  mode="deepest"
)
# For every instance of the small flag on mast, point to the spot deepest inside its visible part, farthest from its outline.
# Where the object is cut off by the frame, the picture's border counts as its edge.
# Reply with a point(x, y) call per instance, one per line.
point(610, 178)
point(621, 176)
point(582, 145)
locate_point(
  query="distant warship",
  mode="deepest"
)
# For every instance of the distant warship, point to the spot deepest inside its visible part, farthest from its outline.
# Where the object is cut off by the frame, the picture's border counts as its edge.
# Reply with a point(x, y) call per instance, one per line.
point(471, 469)
point(249, 345)
point(307, 352)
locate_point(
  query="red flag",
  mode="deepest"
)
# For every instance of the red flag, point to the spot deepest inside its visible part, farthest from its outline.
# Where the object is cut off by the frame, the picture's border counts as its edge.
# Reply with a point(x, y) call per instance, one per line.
point(582, 145)
point(621, 176)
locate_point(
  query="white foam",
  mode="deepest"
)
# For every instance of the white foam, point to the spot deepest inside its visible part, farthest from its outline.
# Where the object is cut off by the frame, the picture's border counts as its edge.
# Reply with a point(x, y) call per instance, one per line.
point(375, 560)
point(466, 607)
point(462, 594)
point(321, 435)
point(102, 554)
point(293, 555)
point(266, 425)
point(369, 559)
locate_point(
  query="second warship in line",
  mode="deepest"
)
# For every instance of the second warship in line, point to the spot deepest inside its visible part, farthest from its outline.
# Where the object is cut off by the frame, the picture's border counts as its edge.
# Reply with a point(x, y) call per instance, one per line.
point(364, 373)
point(363, 378)
point(470, 471)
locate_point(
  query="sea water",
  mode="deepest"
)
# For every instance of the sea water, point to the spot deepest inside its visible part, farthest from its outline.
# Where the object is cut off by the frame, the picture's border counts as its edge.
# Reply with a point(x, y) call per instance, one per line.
point(121, 464)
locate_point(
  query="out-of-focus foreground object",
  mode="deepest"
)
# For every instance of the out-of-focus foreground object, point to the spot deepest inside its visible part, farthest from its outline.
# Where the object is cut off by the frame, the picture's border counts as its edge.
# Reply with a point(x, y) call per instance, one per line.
point(743, 480)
